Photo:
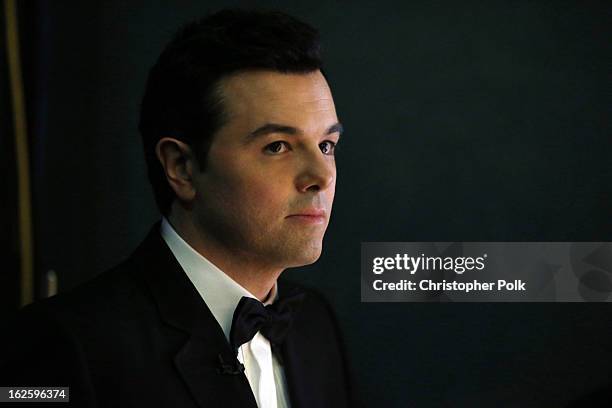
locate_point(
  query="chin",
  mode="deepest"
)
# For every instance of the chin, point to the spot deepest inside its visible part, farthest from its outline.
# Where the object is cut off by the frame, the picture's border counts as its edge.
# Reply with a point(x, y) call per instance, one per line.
point(295, 251)
point(307, 256)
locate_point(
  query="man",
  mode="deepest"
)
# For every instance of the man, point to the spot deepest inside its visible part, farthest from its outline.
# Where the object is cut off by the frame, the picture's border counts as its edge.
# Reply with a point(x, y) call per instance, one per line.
point(239, 130)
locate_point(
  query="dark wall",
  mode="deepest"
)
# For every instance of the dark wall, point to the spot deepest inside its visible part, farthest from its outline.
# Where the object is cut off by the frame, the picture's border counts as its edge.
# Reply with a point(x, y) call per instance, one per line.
point(484, 121)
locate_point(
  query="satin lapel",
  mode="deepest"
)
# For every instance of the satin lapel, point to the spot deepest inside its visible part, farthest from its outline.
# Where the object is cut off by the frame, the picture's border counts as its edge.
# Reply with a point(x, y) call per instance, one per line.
point(296, 358)
point(181, 307)
point(294, 368)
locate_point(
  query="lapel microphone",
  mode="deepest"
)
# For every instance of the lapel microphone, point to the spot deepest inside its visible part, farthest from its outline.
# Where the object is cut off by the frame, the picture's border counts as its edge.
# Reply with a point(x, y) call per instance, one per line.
point(224, 368)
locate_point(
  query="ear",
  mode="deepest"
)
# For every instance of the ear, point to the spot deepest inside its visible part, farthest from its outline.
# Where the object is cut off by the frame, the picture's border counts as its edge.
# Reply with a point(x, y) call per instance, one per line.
point(178, 161)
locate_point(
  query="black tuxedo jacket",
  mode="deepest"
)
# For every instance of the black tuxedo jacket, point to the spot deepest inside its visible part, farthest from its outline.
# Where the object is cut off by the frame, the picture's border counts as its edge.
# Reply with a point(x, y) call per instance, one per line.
point(140, 335)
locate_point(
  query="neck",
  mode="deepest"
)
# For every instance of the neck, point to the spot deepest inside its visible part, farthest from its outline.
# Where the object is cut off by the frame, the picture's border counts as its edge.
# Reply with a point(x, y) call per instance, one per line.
point(256, 278)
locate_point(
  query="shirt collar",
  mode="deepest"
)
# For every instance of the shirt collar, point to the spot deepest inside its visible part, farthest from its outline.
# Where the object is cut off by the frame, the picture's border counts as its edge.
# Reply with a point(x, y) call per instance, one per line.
point(220, 292)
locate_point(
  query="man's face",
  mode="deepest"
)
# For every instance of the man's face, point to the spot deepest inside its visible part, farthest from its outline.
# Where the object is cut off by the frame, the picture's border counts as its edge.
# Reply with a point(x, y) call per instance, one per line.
point(267, 189)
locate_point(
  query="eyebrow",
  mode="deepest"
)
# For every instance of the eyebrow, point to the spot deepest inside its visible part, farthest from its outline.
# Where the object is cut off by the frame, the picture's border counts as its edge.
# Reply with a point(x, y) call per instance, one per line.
point(288, 130)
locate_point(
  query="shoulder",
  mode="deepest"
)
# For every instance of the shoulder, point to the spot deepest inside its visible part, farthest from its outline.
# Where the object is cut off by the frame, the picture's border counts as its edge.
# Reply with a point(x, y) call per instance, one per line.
point(116, 295)
point(112, 293)
point(86, 318)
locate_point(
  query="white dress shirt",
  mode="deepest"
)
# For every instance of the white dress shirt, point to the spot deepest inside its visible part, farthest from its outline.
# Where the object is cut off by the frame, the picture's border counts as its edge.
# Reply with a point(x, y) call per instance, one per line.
point(222, 294)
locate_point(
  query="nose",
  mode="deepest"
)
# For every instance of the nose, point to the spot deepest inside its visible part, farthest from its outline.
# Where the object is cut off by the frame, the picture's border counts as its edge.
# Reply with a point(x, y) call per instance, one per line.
point(318, 173)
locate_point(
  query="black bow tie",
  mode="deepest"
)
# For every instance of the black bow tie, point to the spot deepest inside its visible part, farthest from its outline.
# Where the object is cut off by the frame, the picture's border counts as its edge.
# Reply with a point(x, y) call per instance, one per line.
point(274, 321)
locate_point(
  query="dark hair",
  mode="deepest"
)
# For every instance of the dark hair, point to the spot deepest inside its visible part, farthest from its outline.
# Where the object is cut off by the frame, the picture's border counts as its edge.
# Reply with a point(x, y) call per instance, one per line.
point(181, 99)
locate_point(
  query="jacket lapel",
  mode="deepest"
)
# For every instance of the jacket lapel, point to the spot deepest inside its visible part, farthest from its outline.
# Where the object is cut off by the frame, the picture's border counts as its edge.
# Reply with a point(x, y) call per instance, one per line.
point(314, 364)
point(296, 358)
point(181, 307)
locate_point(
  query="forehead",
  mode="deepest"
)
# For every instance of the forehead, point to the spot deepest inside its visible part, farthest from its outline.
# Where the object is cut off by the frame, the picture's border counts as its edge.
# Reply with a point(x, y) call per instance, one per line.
point(256, 97)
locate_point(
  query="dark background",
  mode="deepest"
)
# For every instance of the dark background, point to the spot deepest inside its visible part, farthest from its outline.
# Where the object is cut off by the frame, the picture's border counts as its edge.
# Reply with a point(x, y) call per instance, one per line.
point(483, 121)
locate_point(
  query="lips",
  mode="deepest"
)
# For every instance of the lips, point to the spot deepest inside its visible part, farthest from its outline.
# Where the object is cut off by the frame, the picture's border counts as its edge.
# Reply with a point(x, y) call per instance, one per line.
point(311, 215)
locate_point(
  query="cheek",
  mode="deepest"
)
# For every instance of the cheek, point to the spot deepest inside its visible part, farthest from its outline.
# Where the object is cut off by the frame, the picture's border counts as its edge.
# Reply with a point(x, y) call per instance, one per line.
point(271, 199)
point(255, 196)
point(330, 194)
point(246, 189)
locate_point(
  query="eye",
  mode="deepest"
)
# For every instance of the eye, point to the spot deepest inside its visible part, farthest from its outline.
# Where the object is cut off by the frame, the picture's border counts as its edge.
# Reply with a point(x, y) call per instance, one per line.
point(328, 147)
point(276, 147)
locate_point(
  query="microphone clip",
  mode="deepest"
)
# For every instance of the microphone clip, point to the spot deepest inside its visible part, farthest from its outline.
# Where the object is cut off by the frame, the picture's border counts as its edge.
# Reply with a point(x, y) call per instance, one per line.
point(224, 368)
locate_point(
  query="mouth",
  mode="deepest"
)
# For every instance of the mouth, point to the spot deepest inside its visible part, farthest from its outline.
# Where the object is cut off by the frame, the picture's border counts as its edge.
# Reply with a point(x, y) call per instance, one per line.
point(309, 216)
